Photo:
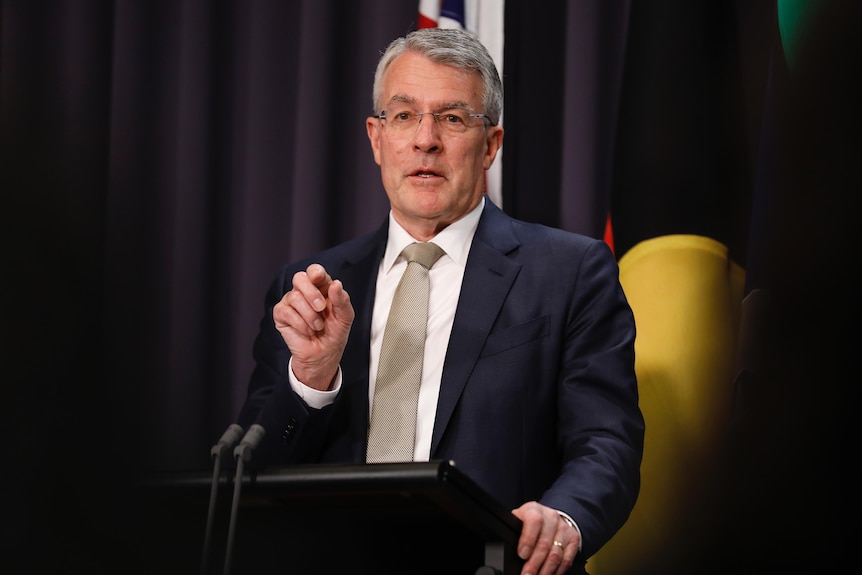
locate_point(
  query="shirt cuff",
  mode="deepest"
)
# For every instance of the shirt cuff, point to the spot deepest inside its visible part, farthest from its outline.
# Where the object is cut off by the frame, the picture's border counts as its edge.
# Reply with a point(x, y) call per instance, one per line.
point(312, 397)
point(571, 522)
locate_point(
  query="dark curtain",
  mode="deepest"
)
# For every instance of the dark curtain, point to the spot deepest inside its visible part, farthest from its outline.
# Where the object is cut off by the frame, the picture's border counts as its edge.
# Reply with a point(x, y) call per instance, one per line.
point(237, 142)
point(160, 159)
point(563, 78)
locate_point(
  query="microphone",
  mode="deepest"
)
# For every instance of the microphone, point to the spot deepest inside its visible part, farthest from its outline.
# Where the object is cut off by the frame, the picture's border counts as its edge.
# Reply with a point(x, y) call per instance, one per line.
point(249, 442)
point(228, 440)
point(242, 454)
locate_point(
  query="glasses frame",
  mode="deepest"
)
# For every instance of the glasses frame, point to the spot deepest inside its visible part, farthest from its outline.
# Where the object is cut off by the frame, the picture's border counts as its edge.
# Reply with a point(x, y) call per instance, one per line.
point(436, 116)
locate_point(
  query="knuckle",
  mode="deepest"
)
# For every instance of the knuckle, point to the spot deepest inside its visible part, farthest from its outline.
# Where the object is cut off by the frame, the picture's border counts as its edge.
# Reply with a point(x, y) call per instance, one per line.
point(290, 298)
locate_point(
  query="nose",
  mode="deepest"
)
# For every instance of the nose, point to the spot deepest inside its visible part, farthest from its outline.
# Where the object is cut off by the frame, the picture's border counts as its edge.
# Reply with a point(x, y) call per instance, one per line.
point(427, 132)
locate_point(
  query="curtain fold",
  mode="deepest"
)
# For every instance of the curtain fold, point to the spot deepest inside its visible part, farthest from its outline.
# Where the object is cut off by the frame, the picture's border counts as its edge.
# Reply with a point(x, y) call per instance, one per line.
point(237, 144)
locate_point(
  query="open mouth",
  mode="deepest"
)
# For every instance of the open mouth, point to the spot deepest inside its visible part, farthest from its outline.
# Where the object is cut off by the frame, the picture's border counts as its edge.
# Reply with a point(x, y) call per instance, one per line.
point(423, 173)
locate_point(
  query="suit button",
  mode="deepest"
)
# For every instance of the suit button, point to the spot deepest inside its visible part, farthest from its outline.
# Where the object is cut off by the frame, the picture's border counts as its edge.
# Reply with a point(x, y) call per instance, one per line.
point(288, 431)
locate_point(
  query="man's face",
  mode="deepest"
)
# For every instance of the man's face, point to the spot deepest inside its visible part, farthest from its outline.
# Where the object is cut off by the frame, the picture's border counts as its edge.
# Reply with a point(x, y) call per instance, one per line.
point(432, 176)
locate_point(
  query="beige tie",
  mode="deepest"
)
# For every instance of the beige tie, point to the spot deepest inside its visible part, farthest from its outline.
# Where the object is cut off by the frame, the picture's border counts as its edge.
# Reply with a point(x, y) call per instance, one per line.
point(392, 432)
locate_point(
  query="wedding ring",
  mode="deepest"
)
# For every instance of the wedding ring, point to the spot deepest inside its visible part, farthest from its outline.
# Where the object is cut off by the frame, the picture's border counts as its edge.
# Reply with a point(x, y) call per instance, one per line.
point(559, 544)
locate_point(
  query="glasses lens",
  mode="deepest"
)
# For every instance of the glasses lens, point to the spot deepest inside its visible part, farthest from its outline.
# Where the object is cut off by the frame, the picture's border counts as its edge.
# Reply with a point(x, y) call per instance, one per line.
point(404, 121)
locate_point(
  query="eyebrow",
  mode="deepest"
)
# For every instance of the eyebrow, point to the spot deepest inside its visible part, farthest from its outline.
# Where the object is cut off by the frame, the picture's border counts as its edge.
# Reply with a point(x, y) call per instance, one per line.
point(453, 105)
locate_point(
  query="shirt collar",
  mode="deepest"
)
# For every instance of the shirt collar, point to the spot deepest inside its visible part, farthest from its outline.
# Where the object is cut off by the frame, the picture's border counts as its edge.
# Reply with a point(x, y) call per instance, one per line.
point(455, 239)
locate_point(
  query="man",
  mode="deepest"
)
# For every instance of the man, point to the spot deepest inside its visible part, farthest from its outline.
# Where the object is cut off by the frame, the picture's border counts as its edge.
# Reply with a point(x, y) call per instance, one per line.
point(528, 379)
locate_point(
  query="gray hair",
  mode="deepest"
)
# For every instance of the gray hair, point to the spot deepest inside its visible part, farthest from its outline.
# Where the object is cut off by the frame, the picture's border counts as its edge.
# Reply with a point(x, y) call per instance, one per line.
point(451, 47)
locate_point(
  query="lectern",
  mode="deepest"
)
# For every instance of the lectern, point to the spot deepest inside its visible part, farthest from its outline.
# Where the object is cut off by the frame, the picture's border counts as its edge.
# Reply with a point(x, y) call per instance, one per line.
point(398, 518)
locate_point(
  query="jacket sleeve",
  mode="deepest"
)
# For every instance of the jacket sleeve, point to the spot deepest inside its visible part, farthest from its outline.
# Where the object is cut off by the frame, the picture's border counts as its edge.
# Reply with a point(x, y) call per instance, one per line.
point(601, 428)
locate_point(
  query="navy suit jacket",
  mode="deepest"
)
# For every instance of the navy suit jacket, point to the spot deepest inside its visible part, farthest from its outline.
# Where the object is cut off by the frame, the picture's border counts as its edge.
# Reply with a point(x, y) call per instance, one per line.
point(538, 398)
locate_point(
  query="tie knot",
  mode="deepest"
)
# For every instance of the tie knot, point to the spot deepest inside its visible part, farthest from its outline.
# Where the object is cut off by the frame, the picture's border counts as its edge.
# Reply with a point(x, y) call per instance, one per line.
point(425, 253)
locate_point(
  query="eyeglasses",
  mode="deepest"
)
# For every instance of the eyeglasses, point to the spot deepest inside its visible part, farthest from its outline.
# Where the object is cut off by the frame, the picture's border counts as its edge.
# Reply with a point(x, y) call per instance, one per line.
point(404, 122)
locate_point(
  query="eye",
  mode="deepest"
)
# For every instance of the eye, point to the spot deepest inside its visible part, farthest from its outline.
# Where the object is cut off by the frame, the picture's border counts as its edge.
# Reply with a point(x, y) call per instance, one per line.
point(453, 118)
point(402, 116)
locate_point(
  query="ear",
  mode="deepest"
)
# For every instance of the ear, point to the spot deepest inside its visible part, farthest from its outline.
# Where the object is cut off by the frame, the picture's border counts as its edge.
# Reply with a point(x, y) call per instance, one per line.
point(493, 142)
point(372, 126)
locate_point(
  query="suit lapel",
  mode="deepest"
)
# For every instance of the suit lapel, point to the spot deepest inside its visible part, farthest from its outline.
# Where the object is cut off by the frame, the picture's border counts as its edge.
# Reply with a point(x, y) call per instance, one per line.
point(488, 276)
point(359, 276)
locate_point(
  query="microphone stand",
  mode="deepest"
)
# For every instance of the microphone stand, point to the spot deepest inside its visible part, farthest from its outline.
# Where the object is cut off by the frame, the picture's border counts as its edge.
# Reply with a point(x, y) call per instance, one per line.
point(228, 440)
point(242, 453)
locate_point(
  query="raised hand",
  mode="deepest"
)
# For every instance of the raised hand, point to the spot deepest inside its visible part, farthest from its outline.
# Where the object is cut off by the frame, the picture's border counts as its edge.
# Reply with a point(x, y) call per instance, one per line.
point(314, 319)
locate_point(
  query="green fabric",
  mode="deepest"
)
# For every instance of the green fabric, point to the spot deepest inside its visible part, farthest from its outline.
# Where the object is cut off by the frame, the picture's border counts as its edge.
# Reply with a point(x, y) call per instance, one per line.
point(794, 16)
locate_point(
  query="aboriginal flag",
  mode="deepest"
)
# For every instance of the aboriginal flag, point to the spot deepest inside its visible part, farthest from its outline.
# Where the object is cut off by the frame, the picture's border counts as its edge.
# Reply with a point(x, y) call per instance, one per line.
point(688, 132)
